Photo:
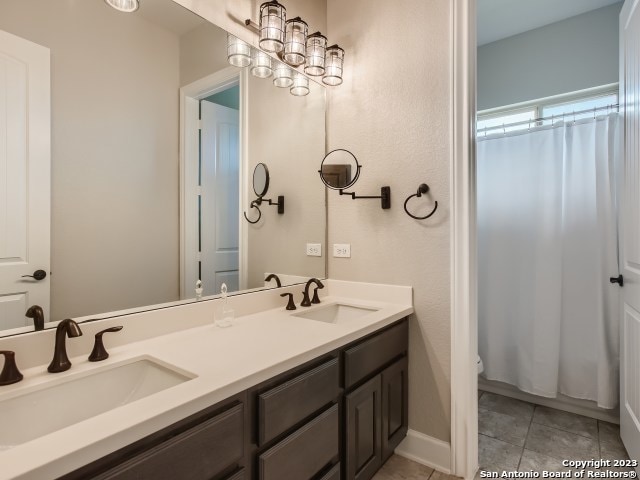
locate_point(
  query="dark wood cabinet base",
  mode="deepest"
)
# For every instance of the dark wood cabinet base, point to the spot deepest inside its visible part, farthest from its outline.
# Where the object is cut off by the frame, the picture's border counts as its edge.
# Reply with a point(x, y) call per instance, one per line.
point(337, 417)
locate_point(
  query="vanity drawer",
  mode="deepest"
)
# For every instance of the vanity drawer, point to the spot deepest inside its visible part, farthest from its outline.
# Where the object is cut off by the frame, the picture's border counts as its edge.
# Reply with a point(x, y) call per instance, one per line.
point(290, 403)
point(305, 452)
point(200, 453)
point(333, 474)
point(239, 475)
point(372, 354)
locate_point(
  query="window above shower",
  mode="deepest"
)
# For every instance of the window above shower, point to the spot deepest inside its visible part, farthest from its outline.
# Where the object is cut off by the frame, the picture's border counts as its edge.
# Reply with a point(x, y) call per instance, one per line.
point(573, 106)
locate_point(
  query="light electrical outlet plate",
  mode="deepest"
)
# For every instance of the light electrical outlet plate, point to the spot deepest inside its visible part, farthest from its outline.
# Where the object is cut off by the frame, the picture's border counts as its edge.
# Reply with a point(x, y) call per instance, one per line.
point(314, 249)
point(342, 250)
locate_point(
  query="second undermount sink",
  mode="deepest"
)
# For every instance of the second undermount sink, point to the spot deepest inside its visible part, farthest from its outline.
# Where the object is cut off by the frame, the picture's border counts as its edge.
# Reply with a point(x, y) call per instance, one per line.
point(59, 404)
point(336, 313)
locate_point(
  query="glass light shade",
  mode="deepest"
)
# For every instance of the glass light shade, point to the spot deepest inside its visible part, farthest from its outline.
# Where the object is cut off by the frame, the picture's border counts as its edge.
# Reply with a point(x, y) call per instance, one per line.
point(238, 52)
point(127, 6)
point(316, 49)
point(272, 20)
point(300, 86)
point(282, 76)
point(261, 65)
point(333, 67)
point(295, 41)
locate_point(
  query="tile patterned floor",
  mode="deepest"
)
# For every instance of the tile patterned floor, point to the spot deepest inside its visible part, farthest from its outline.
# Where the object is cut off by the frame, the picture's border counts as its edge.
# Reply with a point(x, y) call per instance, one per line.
point(399, 468)
point(520, 436)
point(516, 435)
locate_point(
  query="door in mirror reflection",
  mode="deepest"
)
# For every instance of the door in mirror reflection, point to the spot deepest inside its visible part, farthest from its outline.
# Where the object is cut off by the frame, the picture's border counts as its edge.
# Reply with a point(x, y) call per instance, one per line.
point(220, 196)
point(24, 178)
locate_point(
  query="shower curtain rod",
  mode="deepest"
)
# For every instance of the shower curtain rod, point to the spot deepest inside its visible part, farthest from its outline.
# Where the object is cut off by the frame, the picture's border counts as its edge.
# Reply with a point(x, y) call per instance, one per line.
point(553, 118)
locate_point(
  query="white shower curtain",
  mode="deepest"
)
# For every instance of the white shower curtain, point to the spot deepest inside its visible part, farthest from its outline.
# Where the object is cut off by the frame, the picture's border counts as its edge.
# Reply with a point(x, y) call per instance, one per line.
point(547, 245)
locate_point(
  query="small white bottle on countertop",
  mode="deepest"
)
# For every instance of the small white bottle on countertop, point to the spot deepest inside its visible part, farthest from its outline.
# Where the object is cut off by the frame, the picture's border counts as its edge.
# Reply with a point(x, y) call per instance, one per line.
point(224, 315)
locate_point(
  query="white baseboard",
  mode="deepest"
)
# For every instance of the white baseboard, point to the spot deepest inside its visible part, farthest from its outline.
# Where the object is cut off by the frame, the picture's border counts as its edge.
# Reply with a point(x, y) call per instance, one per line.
point(426, 450)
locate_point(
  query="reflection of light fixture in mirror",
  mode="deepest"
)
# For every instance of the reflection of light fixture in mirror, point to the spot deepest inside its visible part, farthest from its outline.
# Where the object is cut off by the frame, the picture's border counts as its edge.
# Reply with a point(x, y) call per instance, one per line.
point(127, 6)
point(282, 76)
point(300, 86)
point(333, 66)
point(295, 41)
point(272, 18)
point(261, 65)
point(238, 52)
point(316, 47)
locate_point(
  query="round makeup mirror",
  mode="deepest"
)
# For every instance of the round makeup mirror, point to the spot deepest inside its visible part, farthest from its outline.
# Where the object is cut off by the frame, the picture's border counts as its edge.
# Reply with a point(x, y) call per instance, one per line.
point(261, 180)
point(340, 169)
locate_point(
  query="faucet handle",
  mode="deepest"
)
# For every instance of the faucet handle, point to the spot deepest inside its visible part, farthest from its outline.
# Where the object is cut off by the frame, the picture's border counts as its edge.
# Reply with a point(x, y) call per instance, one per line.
point(100, 353)
point(10, 373)
point(291, 305)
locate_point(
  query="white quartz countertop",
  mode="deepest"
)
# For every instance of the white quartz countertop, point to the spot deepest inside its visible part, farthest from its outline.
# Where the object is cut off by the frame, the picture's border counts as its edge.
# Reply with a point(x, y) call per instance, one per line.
point(224, 362)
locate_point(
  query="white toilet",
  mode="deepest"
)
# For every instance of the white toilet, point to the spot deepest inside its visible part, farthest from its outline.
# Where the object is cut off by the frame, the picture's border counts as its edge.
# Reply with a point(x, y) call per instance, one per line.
point(480, 365)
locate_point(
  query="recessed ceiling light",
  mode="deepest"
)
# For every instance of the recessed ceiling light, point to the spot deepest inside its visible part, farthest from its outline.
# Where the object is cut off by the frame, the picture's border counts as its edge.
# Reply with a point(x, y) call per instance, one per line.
point(127, 6)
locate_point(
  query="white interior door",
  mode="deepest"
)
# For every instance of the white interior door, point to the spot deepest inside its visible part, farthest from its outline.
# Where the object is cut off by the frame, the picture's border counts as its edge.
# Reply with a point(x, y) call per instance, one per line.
point(25, 191)
point(219, 212)
point(630, 229)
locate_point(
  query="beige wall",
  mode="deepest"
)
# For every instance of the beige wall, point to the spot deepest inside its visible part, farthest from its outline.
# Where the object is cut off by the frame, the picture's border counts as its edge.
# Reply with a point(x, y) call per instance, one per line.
point(287, 133)
point(393, 113)
point(114, 153)
point(203, 51)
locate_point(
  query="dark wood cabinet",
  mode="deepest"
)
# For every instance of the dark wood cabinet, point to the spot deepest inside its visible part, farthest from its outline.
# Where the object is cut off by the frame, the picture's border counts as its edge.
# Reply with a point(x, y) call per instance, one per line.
point(395, 415)
point(363, 407)
point(339, 416)
point(377, 411)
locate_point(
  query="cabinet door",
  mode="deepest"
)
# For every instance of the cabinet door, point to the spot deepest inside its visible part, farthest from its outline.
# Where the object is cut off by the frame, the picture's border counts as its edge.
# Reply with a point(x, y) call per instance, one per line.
point(363, 430)
point(394, 406)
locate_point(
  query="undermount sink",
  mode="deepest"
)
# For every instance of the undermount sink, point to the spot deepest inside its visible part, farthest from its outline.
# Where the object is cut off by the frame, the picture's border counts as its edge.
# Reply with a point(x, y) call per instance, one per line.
point(59, 404)
point(336, 313)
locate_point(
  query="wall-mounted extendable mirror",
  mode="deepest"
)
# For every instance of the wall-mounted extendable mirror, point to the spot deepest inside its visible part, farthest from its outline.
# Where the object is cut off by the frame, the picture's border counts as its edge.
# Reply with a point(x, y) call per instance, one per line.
point(261, 180)
point(261, 187)
point(340, 170)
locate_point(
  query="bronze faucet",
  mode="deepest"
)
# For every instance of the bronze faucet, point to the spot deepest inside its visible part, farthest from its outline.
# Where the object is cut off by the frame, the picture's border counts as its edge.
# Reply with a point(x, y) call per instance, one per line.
point(60, 362)
point(275, 277)
point(36, 312)
point(306, 302)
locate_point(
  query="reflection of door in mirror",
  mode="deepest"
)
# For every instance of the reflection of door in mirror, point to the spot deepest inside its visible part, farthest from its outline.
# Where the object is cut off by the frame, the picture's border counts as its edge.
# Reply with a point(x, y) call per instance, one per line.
point(24, 178)
point(337, 175)
point(219, 212)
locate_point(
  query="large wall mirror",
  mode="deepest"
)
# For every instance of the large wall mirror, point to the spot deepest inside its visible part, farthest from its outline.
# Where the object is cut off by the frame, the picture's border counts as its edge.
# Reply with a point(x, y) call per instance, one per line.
point(149, 173)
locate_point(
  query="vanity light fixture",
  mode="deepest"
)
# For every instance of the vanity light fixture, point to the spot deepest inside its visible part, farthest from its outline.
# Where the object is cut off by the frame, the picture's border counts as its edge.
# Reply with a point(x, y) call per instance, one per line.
point(316, 50)
point(334, 64)
point(295, 41)
point(282, 76)
point(300, 86)
point(261, 65)
point(238, 52)
point(272, 26)
point(127, 6)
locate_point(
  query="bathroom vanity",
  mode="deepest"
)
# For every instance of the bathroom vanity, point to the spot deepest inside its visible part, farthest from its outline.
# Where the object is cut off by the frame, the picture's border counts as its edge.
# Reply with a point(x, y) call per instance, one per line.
point(289, 426)
point(319, 392)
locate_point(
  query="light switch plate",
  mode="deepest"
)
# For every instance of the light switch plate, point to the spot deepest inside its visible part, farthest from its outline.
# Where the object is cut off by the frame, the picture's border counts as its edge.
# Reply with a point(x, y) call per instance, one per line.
point(314, 249)
point(342, 250)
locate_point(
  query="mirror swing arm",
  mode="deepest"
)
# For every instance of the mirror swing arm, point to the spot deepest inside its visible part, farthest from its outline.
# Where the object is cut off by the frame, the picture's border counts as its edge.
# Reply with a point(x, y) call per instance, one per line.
point(335, 173)
point(385, 196)
point(258, 201)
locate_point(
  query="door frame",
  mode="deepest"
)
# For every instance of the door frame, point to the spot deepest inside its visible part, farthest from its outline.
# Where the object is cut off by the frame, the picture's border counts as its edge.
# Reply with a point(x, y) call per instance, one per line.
point(464, 322)
point(190, 96)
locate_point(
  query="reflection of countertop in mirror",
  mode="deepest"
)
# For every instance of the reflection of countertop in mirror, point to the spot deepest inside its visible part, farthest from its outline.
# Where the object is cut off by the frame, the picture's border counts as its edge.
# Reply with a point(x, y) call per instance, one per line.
point(225, 361)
